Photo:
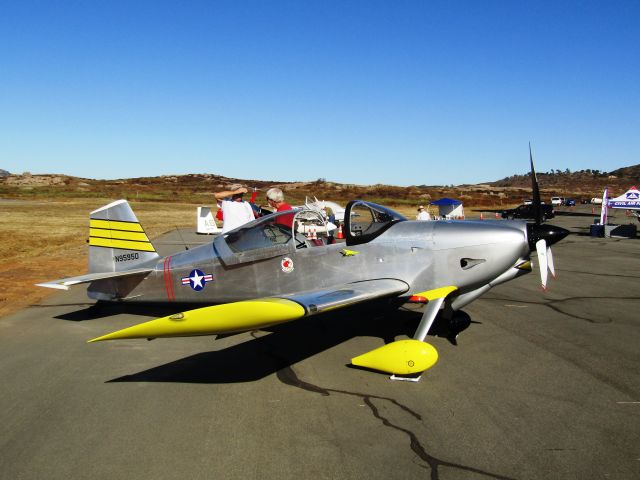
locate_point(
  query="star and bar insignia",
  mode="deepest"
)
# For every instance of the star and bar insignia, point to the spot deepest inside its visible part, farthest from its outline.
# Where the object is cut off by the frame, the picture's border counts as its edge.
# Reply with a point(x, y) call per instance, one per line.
point(197, 279)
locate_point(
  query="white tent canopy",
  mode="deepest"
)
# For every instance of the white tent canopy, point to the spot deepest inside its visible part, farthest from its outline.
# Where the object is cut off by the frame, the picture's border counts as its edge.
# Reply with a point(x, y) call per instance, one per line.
point(630, 200)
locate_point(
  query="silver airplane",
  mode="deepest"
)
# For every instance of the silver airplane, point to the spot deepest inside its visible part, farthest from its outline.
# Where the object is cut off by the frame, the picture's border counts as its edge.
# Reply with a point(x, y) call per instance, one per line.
point(265, 272)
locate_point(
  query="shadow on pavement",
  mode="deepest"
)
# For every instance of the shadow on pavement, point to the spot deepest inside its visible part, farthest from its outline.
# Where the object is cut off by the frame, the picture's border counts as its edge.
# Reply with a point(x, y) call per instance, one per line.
point(107, 309)
point(292, 342)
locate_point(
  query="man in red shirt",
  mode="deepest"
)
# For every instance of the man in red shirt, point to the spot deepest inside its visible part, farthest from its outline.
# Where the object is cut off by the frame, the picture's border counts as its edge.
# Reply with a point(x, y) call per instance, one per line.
point(275, 198)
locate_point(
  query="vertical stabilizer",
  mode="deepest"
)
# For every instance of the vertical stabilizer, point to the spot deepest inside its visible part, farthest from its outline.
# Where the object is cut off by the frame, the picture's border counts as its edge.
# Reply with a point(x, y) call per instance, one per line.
point(117, 241)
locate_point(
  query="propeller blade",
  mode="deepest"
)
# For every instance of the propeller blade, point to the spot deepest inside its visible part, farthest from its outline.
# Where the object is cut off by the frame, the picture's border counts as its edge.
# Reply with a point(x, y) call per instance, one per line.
point(541, 249)
point(552, 268)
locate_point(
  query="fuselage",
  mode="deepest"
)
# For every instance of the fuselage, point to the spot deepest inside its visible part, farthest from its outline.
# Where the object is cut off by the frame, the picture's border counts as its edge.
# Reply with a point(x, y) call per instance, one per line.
point(425, 255)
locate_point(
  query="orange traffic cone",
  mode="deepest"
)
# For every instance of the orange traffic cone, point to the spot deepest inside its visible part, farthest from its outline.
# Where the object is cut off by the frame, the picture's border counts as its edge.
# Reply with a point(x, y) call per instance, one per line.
point(313, 234)
point(497, 215)
point(340, 235)
point(481, 216)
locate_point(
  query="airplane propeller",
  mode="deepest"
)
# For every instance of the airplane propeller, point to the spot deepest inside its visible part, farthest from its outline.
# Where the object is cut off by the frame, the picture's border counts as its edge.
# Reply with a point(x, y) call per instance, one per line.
point(541, 237)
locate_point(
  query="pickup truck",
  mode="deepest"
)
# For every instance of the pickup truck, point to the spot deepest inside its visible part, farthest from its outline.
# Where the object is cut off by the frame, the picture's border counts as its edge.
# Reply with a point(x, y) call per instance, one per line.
point(528, 212)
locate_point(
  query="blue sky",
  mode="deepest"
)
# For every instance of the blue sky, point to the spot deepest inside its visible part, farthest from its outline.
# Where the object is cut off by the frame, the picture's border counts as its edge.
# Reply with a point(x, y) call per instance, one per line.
point(397, 92)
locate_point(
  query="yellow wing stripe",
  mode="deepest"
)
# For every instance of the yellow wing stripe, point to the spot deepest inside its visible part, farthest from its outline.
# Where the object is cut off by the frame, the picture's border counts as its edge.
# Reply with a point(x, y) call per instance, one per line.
point(436, 293)
point(118, 234)
point(115, 225)
point(122, 244)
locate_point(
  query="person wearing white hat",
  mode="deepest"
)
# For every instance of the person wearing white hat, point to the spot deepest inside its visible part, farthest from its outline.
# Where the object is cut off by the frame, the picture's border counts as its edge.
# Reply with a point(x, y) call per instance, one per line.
point(235, 211)
point(422, 214)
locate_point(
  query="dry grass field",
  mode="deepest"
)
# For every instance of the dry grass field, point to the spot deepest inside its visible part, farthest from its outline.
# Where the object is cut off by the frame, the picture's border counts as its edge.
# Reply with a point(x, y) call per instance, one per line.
point(45, 240)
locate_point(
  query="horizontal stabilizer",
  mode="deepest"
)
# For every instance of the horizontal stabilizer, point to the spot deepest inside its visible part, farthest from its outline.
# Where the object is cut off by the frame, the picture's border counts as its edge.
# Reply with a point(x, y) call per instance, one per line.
point(65, 283)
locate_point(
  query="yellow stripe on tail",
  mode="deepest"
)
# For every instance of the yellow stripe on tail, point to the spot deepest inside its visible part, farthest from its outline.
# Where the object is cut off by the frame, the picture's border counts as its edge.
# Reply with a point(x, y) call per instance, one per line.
point(120, 235)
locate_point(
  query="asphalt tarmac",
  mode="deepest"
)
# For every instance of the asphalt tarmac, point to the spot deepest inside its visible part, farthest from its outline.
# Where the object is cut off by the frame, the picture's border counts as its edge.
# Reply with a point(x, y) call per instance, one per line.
point(539, 385)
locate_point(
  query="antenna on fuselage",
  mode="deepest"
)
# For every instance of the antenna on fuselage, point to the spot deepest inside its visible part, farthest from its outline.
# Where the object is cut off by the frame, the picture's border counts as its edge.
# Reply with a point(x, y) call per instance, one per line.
point(180, 235)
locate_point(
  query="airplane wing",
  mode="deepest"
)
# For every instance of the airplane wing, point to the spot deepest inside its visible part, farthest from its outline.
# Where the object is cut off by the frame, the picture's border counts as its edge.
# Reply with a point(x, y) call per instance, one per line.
point(261, 312)
point(318, 301)
point(65, 283)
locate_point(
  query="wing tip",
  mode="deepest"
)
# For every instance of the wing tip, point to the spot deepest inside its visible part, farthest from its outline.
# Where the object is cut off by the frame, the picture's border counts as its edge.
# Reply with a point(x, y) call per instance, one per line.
point(57, 286)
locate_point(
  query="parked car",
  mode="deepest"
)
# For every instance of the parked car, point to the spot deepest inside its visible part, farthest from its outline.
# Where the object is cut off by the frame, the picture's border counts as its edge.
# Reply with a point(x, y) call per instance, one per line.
point(570, 202)
point(528, 212)
point(556, 201)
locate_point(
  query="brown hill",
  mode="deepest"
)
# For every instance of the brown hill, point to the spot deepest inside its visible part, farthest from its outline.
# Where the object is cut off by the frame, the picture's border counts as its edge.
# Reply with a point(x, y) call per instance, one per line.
point(632, 172)
point(566, 179)
point(198, 188)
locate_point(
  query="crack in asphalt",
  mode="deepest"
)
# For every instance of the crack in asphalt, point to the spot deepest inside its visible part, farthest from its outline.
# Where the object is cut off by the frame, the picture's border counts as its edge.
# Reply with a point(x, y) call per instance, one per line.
point(288, 376)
